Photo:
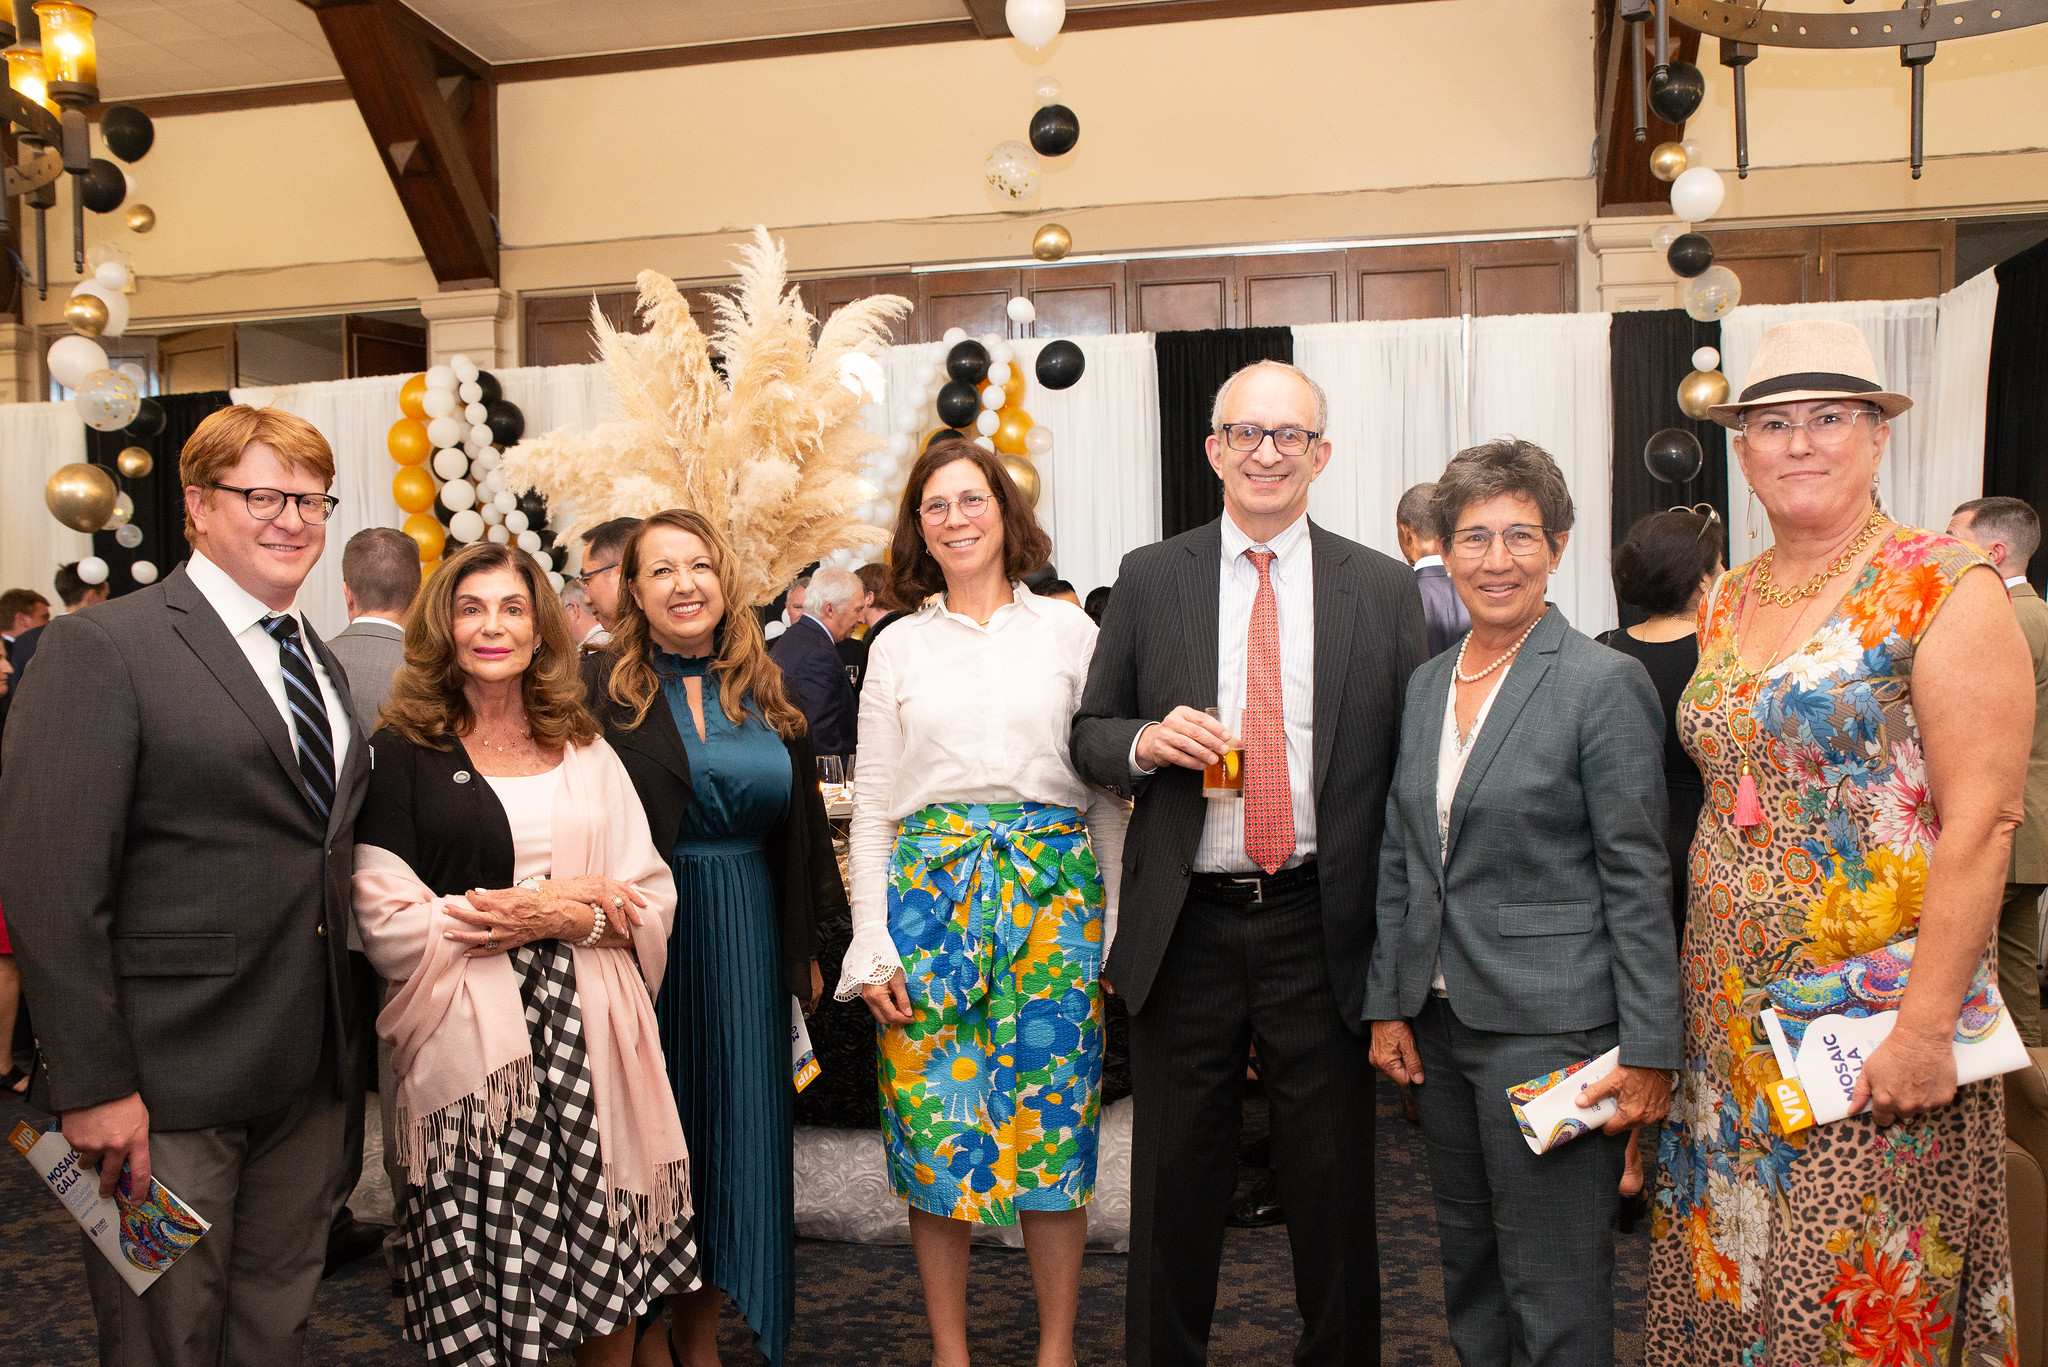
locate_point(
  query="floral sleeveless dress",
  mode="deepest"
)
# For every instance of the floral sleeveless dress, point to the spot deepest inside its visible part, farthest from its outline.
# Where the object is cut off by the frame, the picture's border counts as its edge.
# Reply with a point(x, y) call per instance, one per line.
point(1848, 1243)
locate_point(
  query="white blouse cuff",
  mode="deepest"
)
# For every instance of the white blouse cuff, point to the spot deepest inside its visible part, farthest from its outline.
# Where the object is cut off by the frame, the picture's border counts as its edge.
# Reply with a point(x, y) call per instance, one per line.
point(871, 958)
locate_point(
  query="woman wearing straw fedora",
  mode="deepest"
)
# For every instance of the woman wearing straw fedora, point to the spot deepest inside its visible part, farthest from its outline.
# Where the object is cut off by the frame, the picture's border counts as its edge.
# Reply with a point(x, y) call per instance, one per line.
point(1858, 688)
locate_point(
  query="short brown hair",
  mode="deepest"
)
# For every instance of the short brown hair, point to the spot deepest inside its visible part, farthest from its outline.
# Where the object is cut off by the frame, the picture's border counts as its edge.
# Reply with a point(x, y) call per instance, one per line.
point(876, 579)
point(1506, 465)
point(381, 567)
point(216, 447)
point(1026, 547)
point(2011, 520)
point(428, 705)
point(19, 602)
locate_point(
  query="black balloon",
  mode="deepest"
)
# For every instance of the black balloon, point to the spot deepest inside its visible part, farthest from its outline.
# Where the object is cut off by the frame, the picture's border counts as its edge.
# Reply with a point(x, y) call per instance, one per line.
point(959, 401)
point(103, 187)
point(445, 515)
point(943, 434)
point(488, 383)
point(1054, 131)
point(535, 505)
point(1690, 253)
point(968, 362)
point(1676, 91)
point(506, 422)
point(148, 422)
point(1673, 455)
point(126, 131)
point(1060, 364)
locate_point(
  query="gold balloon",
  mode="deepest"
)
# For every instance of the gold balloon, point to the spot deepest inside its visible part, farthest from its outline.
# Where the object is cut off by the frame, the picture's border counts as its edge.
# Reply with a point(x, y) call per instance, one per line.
point(87, 313)
point(81, 496)
point(135, 462)
point(1052, 242)
point(410, 397)
point(1026, 474)
point(1011, 425)
point(1667, 161)
point(426, 530)
point(1700, 391)
point(407, 442)
point(141, 218)
point(412, 489)
point(1013, 388)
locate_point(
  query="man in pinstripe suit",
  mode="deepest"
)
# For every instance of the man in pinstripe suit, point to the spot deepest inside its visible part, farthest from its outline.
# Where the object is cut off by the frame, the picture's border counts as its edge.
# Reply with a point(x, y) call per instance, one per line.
point(1250, 921)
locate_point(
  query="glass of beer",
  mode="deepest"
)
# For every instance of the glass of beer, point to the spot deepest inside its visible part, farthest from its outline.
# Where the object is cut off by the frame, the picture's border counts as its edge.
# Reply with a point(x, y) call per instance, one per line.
point(1225, 777)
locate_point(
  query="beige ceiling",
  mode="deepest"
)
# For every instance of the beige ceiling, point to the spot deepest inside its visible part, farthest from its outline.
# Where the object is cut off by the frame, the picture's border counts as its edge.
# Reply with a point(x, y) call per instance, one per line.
point(181, 47)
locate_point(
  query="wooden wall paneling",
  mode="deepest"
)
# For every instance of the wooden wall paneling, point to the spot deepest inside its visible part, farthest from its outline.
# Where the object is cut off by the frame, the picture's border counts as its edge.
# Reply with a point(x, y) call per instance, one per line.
point(378, 346)
point(978, 301)
point(1183, 293)
point(826, 297)
point(196, 361)
point(1775, 265)
point(1076, 301)
point(1291, 289)
point(1912, 260)
point(1422, 281)
point(1529, 275)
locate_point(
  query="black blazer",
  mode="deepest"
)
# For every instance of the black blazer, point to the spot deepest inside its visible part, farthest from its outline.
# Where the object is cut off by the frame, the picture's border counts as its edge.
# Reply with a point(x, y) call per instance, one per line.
point(1441, 609)
point(1158, 650)
point(800, 856)
point(433, 810)
point(809, 660)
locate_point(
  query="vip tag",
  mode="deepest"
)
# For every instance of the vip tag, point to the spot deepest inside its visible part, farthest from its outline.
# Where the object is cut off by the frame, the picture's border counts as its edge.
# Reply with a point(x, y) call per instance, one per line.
point(1789, 1104)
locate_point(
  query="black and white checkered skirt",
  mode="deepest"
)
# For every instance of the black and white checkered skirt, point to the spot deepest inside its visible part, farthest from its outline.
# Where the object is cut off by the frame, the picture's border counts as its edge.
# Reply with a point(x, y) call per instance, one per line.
point(509, 1258)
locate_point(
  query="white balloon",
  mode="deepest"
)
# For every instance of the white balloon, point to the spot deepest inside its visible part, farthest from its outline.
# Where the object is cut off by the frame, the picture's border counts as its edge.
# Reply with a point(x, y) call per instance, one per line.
point(485, 460)
point(458, 494)
point(951, 338)
point(464, 368)
point(1706, 358)
point(1038, 441)
point(1002, 352)
point(908, 420)
point(1035, 23)
point(1695, 152)
point(493, 516)
point(993, 397)
point(133, 371)
point(475, 415)
point(984, 443)
point(1697, 194)
point(129, 535)
point(469, 391)
point(1021, 310)
point(988, 422)
point(555, 581)
point(451, 464)
point(444, 431)
point(441, 377)
point(515, 521)
point(529, 541)
point(481, 434)
point(73, 358)
point(899, 445)
point(116, 302)
point(144, 572)
point(494, 482)
point(506, 500)
point(928, 372)
point(499, 534)
point(467, 525)
point(999, 373)
point(113, 274)
point(544, 560)
point(92, 569)
point(1046, 92)
point(438, 403)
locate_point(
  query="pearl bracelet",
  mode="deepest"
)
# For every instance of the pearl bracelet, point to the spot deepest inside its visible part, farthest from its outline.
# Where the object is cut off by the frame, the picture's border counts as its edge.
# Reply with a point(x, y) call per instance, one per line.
point(596, 928)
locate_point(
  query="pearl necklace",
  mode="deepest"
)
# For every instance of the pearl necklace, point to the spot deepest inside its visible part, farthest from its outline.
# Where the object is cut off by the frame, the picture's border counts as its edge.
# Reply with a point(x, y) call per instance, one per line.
point(1458, 669)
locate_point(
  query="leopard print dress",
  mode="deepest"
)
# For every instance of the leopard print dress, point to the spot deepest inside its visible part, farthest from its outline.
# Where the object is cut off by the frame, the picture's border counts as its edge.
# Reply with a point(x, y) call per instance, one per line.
point(1848, 1243)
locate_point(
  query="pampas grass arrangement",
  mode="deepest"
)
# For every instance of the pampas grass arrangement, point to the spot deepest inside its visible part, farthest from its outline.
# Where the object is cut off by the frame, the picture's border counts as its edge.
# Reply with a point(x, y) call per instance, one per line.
point(771, 452)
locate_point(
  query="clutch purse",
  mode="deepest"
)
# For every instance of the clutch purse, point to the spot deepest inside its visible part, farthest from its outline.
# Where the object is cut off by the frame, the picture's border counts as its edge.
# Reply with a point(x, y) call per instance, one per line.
point(1549, 1112)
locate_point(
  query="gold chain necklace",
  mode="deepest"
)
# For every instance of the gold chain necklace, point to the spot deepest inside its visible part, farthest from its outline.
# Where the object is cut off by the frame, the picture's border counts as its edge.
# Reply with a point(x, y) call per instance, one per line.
point(1770, 593)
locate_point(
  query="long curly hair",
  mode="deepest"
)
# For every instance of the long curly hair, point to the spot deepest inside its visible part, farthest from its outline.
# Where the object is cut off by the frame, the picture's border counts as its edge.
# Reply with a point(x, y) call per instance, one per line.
point(429, 706)
point(740, 652)
point(1026, 547)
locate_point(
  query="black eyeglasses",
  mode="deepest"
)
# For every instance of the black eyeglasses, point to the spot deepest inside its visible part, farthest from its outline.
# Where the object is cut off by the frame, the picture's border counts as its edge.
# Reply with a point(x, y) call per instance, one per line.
point(588, 575)
point(265, 504)
point(1288, 441)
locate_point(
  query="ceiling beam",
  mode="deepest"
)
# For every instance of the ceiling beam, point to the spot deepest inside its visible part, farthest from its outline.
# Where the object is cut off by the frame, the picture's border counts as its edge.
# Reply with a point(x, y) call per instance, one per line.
point(1623, 180)
point(431, 107)
point(988, 16)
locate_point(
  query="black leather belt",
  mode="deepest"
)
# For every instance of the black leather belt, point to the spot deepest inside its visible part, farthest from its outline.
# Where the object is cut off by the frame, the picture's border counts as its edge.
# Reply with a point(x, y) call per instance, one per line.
point(1251, 889)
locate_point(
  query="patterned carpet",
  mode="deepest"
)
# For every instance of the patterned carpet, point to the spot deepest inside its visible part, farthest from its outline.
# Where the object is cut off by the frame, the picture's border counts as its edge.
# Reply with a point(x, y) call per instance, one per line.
point(856, 1306)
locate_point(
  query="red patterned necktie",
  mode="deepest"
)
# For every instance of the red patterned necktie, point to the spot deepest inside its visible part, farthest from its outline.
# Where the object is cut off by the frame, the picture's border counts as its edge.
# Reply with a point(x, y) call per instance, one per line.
point(1268, 802)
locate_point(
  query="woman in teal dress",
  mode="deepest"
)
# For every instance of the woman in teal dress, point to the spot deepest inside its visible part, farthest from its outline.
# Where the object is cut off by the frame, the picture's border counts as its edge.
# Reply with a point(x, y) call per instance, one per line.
point(723, 765)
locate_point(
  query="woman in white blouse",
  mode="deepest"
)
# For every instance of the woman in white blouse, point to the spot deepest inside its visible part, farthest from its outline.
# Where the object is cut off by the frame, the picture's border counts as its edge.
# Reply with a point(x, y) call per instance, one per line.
point(979, 916)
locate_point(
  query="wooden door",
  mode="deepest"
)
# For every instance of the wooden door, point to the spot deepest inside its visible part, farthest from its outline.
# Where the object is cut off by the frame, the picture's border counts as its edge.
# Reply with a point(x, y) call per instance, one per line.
point(826, 297)
point(196, 361)
point(558, 330)
point(1886, 260)
point(1775, 265)
point(377, 346)
point(1422, 281)
point(1531, 275)
point(1291, 289)
point(978, 301)
point(1181, 293)
point(1076, 301)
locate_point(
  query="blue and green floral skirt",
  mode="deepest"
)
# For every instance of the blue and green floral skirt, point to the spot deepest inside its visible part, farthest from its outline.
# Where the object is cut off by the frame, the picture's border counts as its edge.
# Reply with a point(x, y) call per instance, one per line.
point(990, 1096)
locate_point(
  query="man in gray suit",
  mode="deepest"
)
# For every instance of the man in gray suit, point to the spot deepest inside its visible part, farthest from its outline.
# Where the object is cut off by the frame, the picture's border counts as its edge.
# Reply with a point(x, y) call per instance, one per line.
point(1415, 531)
point(1250, 921)
point(178, 915)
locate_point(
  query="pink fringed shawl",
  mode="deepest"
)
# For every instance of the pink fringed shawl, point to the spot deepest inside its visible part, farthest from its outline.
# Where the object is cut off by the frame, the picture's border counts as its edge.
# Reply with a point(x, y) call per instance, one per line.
point(458, 1027)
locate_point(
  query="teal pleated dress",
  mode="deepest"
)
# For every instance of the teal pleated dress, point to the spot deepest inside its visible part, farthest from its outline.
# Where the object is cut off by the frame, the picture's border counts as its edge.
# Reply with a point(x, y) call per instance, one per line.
point(723, 1011)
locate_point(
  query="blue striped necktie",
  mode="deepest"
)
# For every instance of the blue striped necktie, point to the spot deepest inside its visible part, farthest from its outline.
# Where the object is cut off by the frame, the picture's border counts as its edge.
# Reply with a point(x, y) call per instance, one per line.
point(309, 712)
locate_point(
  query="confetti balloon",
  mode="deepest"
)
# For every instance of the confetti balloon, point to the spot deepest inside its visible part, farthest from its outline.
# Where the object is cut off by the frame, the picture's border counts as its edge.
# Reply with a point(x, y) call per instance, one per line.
point(107, 400)
point(1713, 294)
point(1012, 170)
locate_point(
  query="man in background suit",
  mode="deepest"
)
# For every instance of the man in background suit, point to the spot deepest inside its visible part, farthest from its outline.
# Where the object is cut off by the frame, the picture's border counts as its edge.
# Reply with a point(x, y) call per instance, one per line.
point(1250, 922)
point(2008, 531)
point(21, 611)
point(75, 594)
point(1425, 554)
point(178, 917)
point(808, 655)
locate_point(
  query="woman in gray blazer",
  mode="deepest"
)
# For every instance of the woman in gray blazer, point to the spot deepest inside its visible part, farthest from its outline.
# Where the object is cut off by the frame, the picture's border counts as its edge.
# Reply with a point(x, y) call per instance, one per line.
point(1524, 921)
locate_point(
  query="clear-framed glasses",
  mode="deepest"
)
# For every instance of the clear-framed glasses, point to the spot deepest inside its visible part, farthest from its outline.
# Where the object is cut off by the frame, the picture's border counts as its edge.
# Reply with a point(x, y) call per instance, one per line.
point(972, 504)
point(1825, 431)
point(1521, 539)
point(588, 575)
point(1288, 441)
point(265, 504)
point(1705, 511)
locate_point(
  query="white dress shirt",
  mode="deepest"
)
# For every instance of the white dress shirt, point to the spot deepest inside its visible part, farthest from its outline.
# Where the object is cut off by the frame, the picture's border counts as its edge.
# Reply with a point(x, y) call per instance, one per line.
point(2016, 581)
point(244, 616)
point(1424, 562)
point(952, 711)
point(1450, 772)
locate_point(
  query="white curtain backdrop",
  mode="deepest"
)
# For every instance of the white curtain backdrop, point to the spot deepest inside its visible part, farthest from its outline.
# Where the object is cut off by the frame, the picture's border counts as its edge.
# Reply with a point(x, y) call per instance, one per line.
point(1953, 471)
point(35, 439)
point(1901, 337)
point(1398, 414)
point(1545, 377)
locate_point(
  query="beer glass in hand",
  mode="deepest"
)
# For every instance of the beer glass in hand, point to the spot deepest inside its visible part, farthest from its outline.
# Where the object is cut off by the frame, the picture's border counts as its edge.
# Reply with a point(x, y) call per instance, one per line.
point(1224, 777)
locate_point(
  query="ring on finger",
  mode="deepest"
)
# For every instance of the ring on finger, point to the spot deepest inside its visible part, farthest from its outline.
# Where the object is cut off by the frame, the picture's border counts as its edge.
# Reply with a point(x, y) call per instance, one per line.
point(490, 936)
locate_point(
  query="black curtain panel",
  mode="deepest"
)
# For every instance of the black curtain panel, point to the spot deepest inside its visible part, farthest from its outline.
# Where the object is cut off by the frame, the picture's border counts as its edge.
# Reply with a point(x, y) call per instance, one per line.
point(1650, 352)
point(1192, 367)
point(159, 497)
point(2016, 408)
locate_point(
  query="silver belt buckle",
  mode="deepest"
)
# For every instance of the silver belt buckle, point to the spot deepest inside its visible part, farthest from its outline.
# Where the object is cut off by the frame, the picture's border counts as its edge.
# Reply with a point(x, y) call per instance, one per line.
point(1258, 888)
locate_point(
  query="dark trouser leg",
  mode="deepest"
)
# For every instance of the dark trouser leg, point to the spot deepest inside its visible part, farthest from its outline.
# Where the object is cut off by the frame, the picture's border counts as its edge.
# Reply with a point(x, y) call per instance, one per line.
point(2019, 973)
point(1475, 1301)
point(368, 991)
point(1318, 1079)
point(1187, 1087)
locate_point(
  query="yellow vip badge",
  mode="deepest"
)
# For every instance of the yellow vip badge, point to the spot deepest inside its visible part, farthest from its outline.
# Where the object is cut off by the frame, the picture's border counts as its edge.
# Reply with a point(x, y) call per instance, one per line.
point(1789, 1104)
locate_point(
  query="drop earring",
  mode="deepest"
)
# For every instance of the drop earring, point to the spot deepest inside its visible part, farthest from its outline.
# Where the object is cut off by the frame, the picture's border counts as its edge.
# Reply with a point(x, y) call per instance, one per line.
point(1749, 515)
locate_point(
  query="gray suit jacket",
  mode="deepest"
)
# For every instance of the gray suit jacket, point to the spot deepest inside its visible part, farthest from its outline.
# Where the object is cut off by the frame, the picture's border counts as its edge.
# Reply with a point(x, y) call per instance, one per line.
point(1552, 913)
point(1157, 650)
point(371, 651)
point(174, 902)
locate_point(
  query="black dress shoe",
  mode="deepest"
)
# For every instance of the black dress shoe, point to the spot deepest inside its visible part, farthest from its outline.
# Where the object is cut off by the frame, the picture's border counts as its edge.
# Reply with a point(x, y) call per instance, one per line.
point(350, 1241)
point(1258, 1207)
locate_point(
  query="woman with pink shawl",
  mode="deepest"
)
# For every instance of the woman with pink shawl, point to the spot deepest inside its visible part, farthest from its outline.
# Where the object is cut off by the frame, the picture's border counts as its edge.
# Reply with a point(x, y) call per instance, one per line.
point(506, 884)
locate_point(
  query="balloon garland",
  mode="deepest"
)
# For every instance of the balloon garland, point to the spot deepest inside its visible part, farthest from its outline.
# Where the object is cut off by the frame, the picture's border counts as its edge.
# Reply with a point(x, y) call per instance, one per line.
point(107, 398)
point(454, 420)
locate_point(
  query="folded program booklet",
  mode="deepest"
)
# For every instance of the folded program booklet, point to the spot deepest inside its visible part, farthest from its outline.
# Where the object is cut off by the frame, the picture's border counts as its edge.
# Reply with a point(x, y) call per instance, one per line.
point(1823, 1025)
point(1548, 1110)
point(140, 1238)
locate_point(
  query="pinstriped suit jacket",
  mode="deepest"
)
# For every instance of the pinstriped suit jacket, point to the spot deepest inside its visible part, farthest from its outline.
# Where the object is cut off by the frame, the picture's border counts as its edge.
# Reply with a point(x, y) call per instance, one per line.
point(1158, 650)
